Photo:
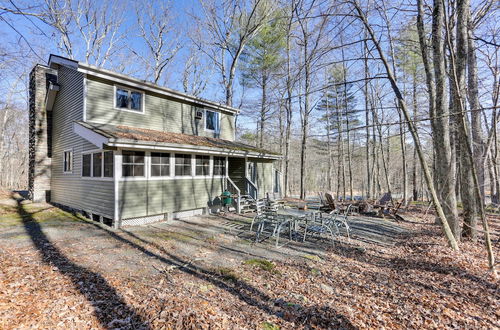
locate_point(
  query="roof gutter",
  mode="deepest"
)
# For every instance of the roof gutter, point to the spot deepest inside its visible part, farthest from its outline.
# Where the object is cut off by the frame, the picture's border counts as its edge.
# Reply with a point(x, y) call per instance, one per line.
point(101, 140)
point(151, 145)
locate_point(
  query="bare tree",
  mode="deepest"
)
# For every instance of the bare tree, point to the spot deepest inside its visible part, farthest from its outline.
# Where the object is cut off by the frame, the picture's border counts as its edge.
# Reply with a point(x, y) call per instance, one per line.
point(416, 139)
point(310, 41)
point(227, 28)
point(160, 35)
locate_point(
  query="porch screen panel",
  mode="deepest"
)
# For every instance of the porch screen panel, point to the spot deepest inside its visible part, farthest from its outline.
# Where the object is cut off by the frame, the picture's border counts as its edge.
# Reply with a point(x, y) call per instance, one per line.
point(160, 164)
point(96, 164)
point(219, 166)
point(108, 164)
point(182, 165)
point(132, 163)
point(202, 165)
point(86, 163)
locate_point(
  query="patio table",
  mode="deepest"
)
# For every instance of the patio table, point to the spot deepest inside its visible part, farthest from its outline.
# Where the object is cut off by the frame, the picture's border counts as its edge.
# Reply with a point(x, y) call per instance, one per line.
point(299, 216)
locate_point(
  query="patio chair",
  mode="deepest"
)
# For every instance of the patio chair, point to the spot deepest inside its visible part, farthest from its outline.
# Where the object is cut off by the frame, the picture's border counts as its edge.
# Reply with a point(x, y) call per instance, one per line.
point(330, 202)
point(338, 220)
point(324, 205)
point(259, 209)
point(323, 225)
point(273, 224)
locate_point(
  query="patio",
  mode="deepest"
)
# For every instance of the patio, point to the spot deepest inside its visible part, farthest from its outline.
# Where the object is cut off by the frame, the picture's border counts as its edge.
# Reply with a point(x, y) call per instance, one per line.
point(207, 270)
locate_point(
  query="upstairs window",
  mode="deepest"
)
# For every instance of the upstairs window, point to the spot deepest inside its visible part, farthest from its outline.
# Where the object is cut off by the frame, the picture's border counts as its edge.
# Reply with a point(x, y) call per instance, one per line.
point(182, 165)
point(202, 165)
point(212, 119)
point(219, 166)
point(160, 164)
point(126, 99)
point(68, 161)
point(132, 163)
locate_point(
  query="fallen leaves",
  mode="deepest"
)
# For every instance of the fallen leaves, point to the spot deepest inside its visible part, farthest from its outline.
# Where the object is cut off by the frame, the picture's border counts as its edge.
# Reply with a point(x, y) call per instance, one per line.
point(417, 283)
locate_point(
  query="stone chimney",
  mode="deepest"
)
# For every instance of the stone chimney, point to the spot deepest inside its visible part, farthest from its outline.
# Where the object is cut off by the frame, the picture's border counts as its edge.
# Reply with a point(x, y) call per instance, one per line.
point(40, 137)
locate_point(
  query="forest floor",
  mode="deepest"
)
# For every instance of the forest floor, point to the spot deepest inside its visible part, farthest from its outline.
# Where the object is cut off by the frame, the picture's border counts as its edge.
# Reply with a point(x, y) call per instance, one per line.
point(58, 270)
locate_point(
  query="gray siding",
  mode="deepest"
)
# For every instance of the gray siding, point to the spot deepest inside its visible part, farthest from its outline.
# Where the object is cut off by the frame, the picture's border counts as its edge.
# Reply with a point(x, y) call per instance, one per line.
point(145, 198)
point(264, 177)
point(161, 113)
point(69, 188)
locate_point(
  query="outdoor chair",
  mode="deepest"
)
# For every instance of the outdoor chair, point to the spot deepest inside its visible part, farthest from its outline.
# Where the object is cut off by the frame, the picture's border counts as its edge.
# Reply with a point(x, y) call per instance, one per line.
point(260, 206)
point(333, 207)
point(387, 206)
point(338, 220)
point(273, 224)
point(323, 226)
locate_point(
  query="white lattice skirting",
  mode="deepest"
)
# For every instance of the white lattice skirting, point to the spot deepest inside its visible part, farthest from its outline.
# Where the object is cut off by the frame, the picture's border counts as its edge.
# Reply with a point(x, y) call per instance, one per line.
point(143, 220)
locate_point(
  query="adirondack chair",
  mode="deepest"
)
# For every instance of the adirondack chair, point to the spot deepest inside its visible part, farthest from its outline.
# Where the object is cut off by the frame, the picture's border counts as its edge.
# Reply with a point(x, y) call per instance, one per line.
point(341, 208)
point(330, 202)
point(324, 205)
point(387, 206)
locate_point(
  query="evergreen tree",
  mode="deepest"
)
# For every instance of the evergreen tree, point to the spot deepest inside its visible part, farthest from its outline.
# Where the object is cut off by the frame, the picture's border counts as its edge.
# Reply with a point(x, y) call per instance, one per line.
point(261, 62)
point(338, 104)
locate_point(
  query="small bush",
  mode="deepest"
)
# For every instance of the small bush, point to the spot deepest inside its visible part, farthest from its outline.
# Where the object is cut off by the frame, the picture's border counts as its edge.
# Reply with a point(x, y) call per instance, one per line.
point(261, 263)
point(227, 274)
point(269, 326)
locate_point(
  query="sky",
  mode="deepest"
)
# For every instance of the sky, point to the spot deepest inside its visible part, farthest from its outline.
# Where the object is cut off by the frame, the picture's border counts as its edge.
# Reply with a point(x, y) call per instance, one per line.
point(18, 30)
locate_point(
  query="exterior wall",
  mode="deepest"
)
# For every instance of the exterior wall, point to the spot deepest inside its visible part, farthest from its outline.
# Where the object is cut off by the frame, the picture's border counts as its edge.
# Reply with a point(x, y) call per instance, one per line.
point(265, 172)
point(161, 113)
point(138, 198)
point(70, 189)
point(39, 139)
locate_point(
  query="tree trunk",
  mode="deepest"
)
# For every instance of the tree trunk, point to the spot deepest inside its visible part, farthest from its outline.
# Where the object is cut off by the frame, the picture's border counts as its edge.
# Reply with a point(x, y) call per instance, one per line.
point(414, 168)
point(367, 120)
point(444, 222)
point(263, 111)
point(458, 71)
point(445, 177)
point(473, 93)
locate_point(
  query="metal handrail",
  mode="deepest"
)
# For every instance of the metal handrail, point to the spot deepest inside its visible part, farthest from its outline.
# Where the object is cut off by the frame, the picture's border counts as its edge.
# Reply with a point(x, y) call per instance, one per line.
point(238, 193)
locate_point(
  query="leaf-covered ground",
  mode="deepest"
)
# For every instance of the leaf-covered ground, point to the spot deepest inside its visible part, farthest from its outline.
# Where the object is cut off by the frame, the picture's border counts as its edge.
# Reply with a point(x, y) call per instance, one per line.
point(90, 277)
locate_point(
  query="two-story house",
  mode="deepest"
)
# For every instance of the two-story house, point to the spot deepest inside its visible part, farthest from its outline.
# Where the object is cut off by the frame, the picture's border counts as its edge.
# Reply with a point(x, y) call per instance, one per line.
point(124, 151)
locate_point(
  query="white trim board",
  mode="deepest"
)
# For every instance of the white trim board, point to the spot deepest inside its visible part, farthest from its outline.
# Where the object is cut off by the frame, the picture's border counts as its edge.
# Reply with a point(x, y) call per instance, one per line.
point(96, 139)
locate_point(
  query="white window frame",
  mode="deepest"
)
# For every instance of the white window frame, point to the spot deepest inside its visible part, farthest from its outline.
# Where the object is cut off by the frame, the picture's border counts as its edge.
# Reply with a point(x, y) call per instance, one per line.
point(71, 162)
point(193, 163)
point(129, 89)
point(218, 121)
point(147, 164)
point(92, 177)
point(210, 162)
point(213, 167)
point(147, 161)
point(148, 155)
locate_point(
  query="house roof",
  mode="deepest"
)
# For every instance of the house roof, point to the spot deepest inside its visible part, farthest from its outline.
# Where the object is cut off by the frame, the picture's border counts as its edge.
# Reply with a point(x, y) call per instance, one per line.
point(137, 83)
point(123, 136)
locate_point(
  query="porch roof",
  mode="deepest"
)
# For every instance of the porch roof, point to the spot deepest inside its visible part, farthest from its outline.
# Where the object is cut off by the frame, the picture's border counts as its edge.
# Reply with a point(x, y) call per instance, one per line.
point(105, 135)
